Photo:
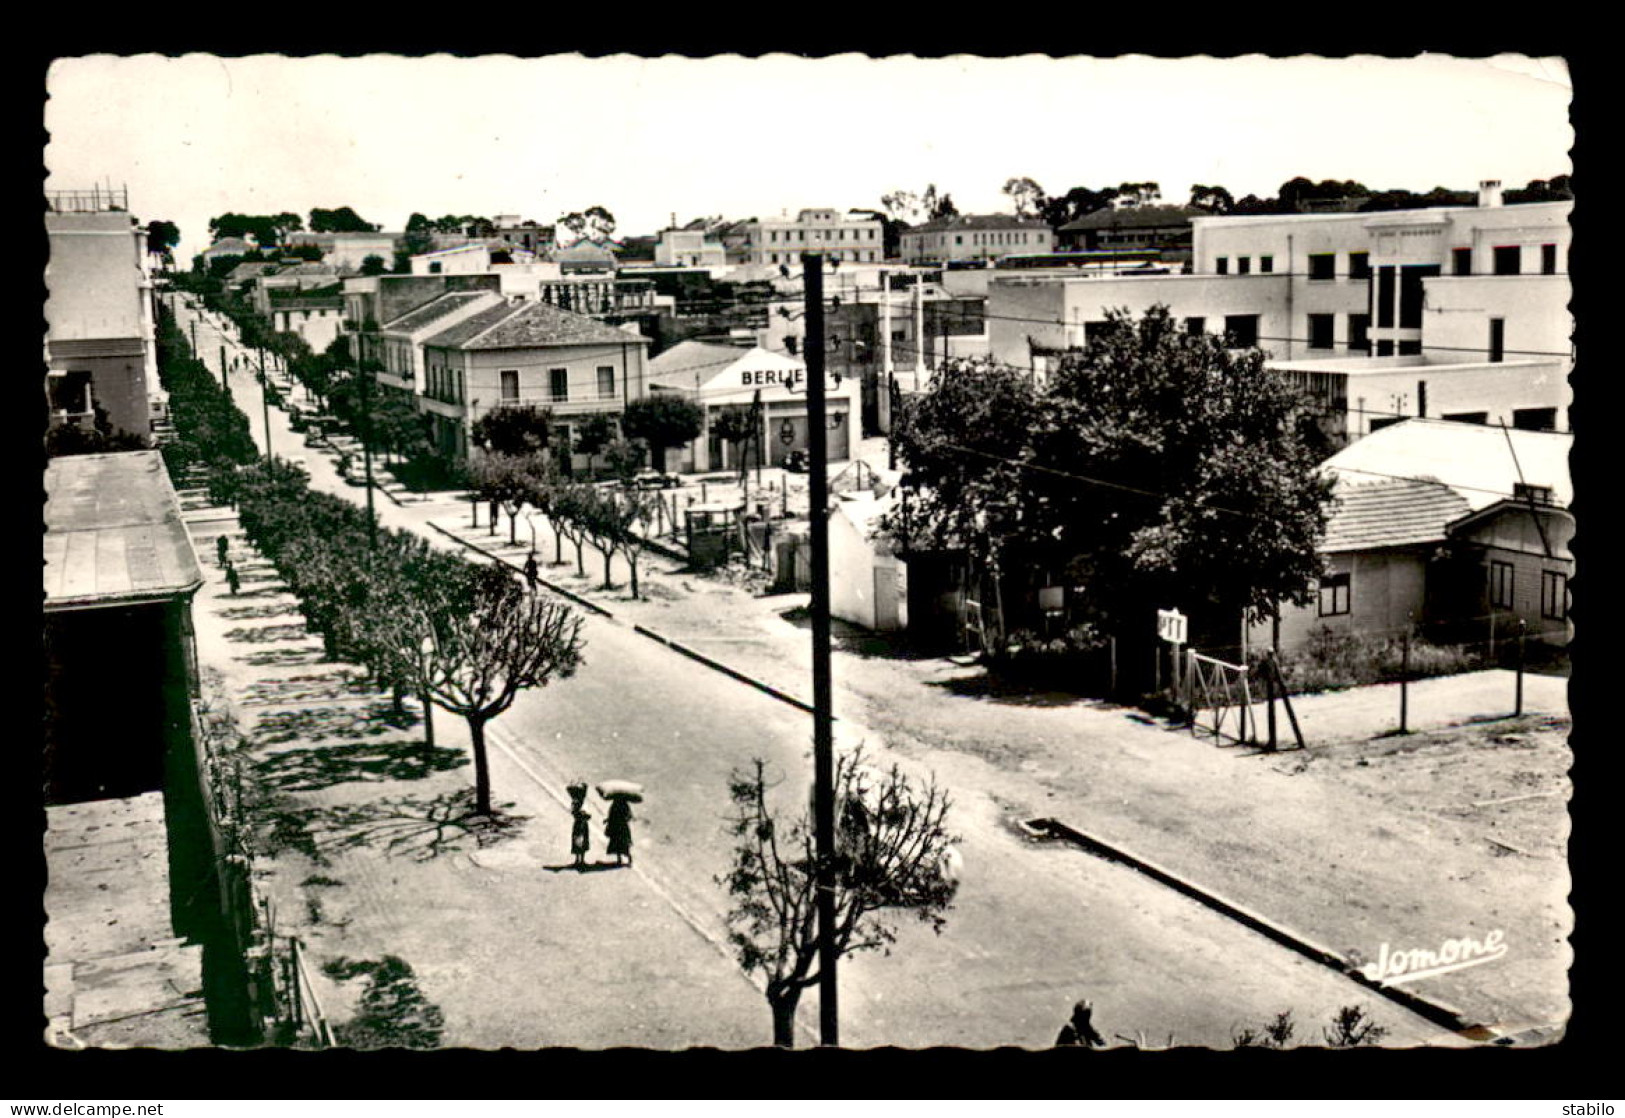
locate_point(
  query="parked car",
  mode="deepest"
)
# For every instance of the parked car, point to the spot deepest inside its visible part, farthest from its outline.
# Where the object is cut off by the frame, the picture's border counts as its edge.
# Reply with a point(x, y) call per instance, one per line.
point(654, 479)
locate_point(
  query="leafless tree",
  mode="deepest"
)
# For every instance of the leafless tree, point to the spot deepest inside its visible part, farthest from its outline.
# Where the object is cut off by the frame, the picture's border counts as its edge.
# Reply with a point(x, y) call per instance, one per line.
point(892, 853)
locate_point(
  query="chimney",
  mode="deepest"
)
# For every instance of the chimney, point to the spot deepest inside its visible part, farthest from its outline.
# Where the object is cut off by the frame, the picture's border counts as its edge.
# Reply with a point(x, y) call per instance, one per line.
point(1489, 193)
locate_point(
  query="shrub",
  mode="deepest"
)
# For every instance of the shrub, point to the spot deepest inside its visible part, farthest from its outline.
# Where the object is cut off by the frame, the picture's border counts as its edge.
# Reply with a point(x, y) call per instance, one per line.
point(1331, 660)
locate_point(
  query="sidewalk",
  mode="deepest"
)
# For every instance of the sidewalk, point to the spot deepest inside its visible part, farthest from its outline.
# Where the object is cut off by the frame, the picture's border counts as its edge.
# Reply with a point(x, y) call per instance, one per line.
point(370, 863)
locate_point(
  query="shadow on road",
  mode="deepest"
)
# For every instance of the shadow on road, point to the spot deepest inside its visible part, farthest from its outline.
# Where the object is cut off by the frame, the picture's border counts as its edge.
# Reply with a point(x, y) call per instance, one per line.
point(282, 657)
point(309, 770)
point(990, 688)
point(590, 867)
point(257, 612)
point(266, 634)
point(410, 827)
point(867, 643)
point(323, 723)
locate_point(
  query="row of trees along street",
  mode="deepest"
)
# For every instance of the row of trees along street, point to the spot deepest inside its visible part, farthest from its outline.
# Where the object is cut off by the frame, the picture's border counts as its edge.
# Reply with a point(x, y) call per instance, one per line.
point(466, 638)
point(1152, 469)
point(463, 637)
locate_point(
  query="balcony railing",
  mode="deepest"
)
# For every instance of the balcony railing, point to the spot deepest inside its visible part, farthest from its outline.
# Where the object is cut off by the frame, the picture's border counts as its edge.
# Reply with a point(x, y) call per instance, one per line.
point(548, 400)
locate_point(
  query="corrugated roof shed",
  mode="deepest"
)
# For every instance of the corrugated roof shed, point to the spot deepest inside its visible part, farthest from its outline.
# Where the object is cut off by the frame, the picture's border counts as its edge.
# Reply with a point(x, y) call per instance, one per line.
point(1393, 513)
point(1480, 462)
point(437, 309)
point(113, 532)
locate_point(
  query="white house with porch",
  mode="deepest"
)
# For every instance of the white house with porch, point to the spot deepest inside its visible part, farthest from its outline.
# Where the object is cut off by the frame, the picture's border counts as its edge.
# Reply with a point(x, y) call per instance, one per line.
point(719, 377)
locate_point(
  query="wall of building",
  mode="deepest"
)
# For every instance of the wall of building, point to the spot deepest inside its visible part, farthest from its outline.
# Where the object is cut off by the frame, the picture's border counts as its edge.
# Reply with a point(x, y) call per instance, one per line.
point(1457, 312)
point(1385, 589)
point(1053, 311)
point(974, 244)
point(483, 369)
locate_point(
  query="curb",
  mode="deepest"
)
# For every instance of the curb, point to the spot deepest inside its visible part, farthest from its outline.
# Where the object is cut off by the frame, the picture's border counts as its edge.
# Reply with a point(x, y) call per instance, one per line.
point(735, 673)
point(559, 590)
point(698, 657)
point(1438, 1012)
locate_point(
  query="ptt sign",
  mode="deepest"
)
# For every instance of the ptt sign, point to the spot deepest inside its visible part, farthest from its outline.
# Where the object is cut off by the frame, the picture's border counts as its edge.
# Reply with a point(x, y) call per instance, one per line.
point(1171, 626)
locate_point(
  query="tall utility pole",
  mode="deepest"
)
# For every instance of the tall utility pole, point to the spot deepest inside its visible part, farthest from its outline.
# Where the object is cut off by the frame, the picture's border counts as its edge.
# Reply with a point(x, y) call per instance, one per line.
point(366, 436)
point(812, 265)
point(265, 402)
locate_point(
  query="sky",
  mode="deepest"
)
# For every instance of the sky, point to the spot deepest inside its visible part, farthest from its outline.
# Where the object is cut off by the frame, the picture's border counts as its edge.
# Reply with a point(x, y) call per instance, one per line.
point(649, 137)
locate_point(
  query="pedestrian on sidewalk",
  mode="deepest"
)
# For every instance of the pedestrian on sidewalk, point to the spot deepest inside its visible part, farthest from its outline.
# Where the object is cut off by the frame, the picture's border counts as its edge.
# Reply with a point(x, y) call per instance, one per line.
point(618, 830)
point(1080, 1031)
point(233, 579)
point(580, 831)
point(222, 546)
point(530, 572)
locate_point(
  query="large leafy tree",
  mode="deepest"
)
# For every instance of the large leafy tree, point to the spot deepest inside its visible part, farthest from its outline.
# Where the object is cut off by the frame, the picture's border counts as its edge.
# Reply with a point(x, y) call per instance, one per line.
point(1026, 195)
point(892, 856)
point(1078, 202)
point(662, 421)
point(513, 430)
point(342, 220)
point(1155, 469)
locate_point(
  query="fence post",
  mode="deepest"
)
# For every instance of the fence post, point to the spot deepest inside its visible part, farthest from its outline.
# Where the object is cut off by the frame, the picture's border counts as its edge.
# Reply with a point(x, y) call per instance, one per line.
point(1112, 644)
point(1405, 677)
point(1523, 627)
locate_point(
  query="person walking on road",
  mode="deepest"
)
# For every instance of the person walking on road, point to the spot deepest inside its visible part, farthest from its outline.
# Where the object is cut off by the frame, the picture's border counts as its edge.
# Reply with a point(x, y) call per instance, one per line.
point(580, 829)
point(222, 546)
point(233, 579)
point(530, 569)
point(618, 830)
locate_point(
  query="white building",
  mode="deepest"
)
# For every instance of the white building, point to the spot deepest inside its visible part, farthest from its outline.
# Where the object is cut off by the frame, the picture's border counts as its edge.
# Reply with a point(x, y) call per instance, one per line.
point(1456, 310)
point(720, 376)
point(975, 237)
point(782, 240)
point(689, 248)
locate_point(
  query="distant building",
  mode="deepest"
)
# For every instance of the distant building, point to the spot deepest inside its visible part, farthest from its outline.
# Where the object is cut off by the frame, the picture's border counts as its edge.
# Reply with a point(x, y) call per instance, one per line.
point(689, 248)
point(227, 246)
point(100, 347)
point(348, 251)
point(841, 237)
point(975, 237)
point(1164, 228)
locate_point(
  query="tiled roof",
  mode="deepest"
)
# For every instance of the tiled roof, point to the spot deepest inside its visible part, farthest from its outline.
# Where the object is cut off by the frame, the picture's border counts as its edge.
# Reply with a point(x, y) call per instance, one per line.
point(1135, 217)
point(1392, 513)
point(419, 317)
point(690, 356)
point(526, 325)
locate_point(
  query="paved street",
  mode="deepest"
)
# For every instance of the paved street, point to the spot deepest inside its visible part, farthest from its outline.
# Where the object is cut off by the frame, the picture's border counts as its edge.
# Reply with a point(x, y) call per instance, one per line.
point(1035, 926)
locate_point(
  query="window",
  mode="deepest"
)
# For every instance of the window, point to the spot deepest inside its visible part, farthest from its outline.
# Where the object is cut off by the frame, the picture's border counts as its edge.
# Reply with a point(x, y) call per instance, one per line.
point(1385, 297)
point(1244, 265)
point(1359, 333)
point(1461, 261)
point(1222, 265)
point(606, 381)
point(1554, 595)
point(773, 236)
point(1359, 265)
point(1266, 263)
point(510, 385)
point(1498, 339)
point(1322, 265)
point(1500, 584)
point(1410, 293)
point(70, 391)
point(1536, 494)
point(1334, 595)
point(1242, 330)
point(1411, 347)
point(1535, 419)
point(1320, 331)
point(1385, 348)
point(1195, 326)
point(1479, 417)
point(558, 383)
point(1508, 260)
point(1548, 260)
point(435, 267)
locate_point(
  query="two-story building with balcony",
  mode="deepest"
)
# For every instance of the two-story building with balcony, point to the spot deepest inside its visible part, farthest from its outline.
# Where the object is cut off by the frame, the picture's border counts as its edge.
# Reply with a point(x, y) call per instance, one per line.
point(523, 353)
